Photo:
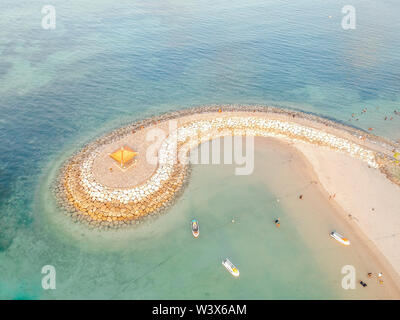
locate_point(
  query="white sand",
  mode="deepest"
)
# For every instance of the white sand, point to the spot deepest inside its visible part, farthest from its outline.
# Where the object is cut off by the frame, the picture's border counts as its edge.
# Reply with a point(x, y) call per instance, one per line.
point(366, 194)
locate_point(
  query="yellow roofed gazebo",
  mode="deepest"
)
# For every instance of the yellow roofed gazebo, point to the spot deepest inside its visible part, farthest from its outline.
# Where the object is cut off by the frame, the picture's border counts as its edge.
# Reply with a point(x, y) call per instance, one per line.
point(124, 156)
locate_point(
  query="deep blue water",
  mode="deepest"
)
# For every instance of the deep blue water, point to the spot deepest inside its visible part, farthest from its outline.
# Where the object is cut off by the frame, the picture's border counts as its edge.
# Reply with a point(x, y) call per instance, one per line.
point(107, 63)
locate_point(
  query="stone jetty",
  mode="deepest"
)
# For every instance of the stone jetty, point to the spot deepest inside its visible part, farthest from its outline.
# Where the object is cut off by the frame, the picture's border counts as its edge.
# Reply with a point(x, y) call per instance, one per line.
point(116, 202)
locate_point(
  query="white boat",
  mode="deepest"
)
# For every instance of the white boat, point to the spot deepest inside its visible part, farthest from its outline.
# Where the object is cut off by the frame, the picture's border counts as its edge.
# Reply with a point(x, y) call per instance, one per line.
point(338, 237)
point(195, 228)
point(230, 267)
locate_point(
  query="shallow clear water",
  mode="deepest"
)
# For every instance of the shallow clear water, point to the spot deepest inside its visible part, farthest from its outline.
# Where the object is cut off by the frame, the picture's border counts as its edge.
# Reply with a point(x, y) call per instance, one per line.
point(107, 64)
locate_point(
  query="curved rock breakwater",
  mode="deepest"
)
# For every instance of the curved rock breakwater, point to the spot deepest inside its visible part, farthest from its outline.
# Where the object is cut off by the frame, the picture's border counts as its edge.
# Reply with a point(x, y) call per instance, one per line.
point(86, 197)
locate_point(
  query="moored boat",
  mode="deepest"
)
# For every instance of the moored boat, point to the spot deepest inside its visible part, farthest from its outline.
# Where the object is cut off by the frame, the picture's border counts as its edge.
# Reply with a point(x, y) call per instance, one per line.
point(338, 237)
point(230, 267)
point(195, 228)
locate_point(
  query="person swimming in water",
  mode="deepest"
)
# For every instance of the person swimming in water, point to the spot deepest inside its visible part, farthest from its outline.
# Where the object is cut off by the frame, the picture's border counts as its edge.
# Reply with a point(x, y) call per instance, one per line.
point(277, 222)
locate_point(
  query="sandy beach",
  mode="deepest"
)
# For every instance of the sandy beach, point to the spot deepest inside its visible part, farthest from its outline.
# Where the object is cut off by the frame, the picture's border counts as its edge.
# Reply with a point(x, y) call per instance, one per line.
point(316, 214)
point(365, 198)
point(349, 165)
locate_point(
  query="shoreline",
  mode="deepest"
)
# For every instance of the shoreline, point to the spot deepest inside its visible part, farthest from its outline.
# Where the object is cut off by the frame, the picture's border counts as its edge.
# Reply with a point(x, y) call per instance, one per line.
point(377, 237)
point(328, 213)
point(97, 201)
point(386, 256)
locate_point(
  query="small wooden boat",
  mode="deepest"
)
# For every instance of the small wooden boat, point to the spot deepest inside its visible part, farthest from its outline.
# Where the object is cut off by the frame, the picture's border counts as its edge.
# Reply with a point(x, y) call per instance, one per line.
point(230, 267)
point(195, 228)
point(338, 237)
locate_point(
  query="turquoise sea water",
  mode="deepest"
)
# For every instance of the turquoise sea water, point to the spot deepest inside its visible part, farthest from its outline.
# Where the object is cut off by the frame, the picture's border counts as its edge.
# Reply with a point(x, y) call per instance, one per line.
point(109, 63)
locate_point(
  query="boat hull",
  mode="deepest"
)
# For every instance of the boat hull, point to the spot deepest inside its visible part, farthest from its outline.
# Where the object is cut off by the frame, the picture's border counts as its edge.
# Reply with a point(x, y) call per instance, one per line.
point(339, 238)
point(195, 228)
point(231, 268)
